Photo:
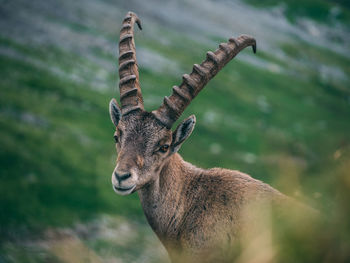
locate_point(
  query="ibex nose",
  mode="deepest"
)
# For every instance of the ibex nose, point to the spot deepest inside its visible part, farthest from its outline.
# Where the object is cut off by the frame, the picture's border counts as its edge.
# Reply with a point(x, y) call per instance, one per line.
point(122, 177)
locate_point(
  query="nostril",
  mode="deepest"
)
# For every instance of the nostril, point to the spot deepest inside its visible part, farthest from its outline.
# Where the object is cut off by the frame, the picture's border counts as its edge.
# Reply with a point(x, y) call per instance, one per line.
point(126, 176)
point(117, 177)
point(121, 177)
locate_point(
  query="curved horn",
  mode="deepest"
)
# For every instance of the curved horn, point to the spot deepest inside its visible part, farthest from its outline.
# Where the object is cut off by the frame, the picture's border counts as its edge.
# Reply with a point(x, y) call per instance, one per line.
point(129, 85)
point(173, 106)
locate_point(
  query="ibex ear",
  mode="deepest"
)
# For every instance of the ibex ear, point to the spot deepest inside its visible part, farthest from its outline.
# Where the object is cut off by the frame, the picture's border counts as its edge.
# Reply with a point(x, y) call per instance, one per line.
point(182, 132)
point(114, 112)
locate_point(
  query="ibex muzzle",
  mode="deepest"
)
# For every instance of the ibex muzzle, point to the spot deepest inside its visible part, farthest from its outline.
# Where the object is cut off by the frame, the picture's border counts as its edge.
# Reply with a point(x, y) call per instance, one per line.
point(192, 210)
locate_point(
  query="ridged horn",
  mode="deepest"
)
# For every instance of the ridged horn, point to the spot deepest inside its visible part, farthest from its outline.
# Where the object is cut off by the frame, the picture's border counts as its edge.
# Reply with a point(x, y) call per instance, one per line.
point(173, 106)
point(129, 85)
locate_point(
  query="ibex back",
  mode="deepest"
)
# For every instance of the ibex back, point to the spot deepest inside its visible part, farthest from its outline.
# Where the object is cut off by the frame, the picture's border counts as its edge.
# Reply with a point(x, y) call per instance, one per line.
point(193, 211)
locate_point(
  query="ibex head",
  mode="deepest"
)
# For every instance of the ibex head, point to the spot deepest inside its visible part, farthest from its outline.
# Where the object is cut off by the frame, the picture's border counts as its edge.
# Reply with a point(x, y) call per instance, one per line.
point(144, 140)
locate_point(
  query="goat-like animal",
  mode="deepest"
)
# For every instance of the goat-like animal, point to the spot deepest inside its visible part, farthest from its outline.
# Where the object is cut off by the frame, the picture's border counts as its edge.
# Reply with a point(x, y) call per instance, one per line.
point(193, 211)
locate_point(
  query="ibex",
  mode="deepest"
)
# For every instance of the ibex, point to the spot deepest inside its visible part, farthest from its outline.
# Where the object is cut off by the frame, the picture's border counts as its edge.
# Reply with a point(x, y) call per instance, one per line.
point(191, 210)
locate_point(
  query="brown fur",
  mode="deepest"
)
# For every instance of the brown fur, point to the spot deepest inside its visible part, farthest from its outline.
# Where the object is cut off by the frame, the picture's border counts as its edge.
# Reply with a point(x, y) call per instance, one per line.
point(193, 211)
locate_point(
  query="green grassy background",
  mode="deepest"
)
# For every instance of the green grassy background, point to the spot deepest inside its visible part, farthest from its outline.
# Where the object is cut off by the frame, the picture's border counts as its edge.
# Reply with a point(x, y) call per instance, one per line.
point(289, 128)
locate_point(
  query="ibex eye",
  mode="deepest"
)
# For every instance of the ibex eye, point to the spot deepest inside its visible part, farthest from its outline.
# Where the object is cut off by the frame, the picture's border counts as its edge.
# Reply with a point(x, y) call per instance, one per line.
point(115, 138)
point(164, 148)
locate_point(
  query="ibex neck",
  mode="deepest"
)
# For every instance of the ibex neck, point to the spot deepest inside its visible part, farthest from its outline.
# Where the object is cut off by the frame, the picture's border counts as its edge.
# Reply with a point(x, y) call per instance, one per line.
point(163, 200)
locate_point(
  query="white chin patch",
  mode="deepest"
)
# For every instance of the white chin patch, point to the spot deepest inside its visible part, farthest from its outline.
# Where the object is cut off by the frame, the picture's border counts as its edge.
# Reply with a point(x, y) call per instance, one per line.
point(123, 190)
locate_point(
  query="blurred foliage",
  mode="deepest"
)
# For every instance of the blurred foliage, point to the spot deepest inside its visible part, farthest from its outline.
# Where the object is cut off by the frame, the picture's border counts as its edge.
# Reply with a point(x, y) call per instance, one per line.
point(324, 11)
point(51, 155)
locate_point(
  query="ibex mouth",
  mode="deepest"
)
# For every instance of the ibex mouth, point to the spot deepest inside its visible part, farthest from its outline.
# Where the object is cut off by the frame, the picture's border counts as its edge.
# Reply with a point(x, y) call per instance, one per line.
point(124, 190)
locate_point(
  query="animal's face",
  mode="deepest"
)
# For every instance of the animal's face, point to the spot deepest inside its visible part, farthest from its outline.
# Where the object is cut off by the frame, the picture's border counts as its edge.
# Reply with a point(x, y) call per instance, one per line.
point(143, 145)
